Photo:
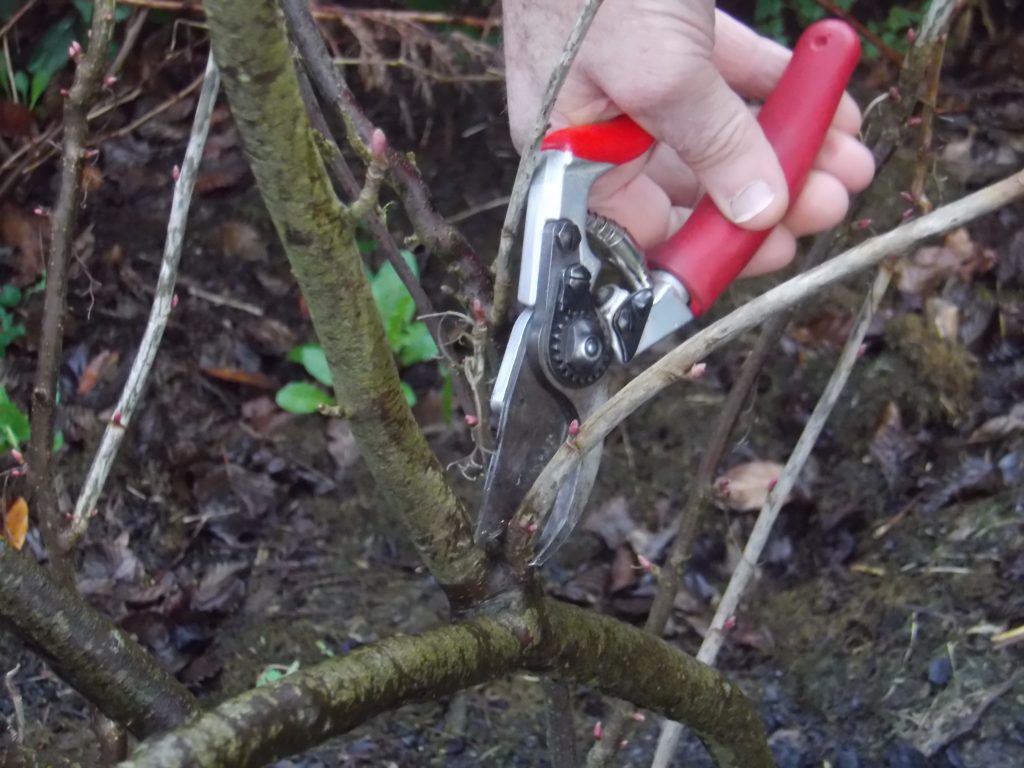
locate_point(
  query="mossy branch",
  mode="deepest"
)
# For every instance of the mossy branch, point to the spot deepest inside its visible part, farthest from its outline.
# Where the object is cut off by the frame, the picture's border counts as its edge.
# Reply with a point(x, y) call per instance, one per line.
point(309, 707)
point(87, 651)
point(317, 231)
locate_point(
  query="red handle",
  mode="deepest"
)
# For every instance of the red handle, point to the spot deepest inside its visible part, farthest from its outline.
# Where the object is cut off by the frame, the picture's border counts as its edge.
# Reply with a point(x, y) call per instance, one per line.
point(615, 141)
point(709, 251)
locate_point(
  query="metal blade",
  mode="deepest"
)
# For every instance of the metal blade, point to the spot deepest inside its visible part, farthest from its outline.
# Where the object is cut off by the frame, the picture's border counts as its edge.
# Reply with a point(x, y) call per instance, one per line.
point(533, 424)
point(569, 505)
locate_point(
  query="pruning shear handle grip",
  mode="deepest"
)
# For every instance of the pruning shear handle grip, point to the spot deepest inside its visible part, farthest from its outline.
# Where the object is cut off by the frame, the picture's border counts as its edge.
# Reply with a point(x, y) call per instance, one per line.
point(709, 251)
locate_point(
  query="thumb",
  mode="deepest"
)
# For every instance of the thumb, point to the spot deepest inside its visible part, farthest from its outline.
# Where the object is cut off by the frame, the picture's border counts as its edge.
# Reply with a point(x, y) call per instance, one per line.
point(717, 136)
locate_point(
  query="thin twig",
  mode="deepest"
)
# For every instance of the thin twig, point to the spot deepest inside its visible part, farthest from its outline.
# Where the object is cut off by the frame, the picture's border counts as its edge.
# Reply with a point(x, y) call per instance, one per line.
point(340, 13)
point(163, 302)
point(84, 91)
point(17, 703)
point(777, 497)
point(433, 231)
point(674, 366)
point(131, 37)
point(529, 161)
point(9, 24)
point(872, 37)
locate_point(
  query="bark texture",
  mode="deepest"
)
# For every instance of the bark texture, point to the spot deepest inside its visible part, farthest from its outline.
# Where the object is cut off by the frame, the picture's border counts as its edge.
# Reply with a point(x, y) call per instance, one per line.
point(88, 652)
point(309, 707)
point(250, 44)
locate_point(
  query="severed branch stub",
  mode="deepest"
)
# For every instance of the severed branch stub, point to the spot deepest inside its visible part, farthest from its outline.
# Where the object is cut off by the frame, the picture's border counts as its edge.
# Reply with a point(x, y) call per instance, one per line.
point(163, 303)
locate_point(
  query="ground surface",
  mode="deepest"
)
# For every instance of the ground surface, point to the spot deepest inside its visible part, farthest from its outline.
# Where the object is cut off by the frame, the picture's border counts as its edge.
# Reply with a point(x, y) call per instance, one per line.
point(237, 541)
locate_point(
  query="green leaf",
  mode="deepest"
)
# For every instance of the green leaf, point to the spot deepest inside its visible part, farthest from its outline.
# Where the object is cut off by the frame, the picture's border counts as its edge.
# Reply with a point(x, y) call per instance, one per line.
point(394, 303)
point(416, 345)
point(21, 84)
point(14, 427)
point(10, 296)
point(410, 396)
point(311, 357)
point(274, 672)
point(49, 56)
point(58, 440)
point(302, 397)
point(84, 7)
point(9, 334)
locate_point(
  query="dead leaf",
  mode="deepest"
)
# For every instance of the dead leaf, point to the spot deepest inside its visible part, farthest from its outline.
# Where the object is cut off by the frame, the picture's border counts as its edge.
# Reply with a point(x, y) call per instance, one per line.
point(341, 443)
point(932, 266)
point(611, 522)
point(1000, 426)
point(944, 316)
point(891, 447)
point(100, 367)
point(745, 487)
point(16, 120)
point(26, 232)
point(16, 523)
point(625, 571)
point(238, 240)
point(221, 589)
point(238, 376)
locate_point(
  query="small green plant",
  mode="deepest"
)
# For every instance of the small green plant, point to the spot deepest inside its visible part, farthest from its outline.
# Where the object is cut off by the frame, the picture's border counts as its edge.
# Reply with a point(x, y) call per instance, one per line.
point(50, 53)
point(408, 338)
point(10, 297)
point(274, 672)
point(777, 18)
point(14, 428)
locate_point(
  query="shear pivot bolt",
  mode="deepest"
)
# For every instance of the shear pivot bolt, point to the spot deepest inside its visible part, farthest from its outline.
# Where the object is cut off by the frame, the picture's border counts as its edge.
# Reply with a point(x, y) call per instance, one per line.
point(568, 236)
point(585, 346)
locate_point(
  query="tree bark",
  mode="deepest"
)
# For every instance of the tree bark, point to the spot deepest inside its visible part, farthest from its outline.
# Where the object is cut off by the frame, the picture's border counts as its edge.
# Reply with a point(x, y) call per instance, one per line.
point(309, 707)
point(251, 46)
point(88, 652)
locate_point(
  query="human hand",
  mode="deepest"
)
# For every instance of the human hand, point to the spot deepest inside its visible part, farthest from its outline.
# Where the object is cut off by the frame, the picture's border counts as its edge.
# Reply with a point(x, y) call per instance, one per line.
point(681, 70)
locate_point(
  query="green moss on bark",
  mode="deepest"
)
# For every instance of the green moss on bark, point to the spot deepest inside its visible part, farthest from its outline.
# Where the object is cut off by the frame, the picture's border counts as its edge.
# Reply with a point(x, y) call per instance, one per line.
point(318, 235)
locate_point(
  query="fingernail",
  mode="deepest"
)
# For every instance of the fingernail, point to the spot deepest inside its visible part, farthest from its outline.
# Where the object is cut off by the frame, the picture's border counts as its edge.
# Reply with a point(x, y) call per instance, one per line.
point(754, 199)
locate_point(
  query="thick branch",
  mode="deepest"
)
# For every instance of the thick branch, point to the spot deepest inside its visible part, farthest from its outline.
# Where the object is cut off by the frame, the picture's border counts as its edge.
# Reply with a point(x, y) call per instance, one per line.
point(84, 90)
point(674, 366)
point(251, 46)
point(163, 301)
point(432, 229)
point(88, 652)
point(312, 706)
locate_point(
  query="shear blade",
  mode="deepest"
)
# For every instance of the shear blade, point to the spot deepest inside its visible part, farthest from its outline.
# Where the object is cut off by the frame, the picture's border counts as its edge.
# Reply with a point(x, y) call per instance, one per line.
point(569, 505)
point(532, 426)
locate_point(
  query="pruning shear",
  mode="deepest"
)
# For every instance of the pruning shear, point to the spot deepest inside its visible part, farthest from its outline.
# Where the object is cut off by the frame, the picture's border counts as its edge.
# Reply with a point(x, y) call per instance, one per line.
point(576, 322)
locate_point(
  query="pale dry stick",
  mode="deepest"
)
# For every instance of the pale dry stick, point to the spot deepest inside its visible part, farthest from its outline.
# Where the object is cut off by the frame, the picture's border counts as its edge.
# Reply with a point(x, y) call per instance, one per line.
point(163, 302)
point(675, 365)
point(744, 573)
point(16, 702)
point(529, 161)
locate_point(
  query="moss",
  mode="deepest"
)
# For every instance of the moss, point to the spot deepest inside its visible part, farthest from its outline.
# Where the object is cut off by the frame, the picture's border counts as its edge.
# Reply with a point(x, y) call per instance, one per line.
point(944, 373)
